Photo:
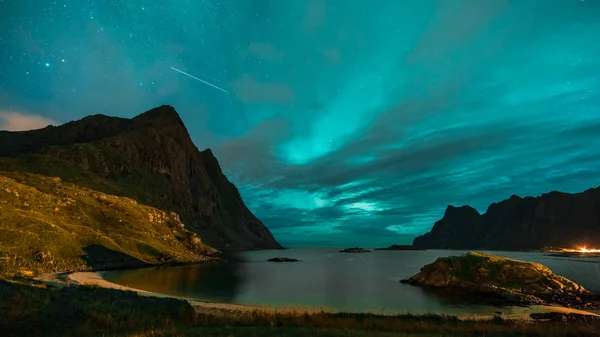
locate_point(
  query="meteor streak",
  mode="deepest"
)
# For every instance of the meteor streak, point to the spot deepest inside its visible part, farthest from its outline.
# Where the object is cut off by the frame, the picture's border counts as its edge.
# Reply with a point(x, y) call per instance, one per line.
point(196, 78)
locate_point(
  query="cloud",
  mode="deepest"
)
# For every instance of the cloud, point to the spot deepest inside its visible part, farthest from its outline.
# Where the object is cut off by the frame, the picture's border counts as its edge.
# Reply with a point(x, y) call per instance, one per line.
point(455, 24)
point(333, 55)
point(395, 178)
point(315, 14)
point(15, 121)
point(374, 141)
point(380, 167)
point(265, 51)
point(251, 91)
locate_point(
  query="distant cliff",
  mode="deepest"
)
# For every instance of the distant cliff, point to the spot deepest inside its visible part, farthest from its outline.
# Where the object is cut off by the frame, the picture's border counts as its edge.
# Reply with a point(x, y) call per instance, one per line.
point(553, 219)
point(150, 158)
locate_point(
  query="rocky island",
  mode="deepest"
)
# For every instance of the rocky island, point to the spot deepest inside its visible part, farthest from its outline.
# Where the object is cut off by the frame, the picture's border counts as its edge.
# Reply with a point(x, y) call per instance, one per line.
point(496, 280)
point(401, 247)
point(282, 259)
point(355, 250)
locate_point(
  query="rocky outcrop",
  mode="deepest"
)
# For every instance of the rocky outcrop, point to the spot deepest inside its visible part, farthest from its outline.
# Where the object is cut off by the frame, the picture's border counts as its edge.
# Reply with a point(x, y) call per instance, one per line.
point(355, 250)
point(282, 259)
point(555, 219)
point(150, 158)
point(401, 247)
point(501, 281)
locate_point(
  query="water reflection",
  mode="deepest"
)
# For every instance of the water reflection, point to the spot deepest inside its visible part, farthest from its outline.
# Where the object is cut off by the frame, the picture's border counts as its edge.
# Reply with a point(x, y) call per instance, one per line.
point(327, 278)
point(212, 281)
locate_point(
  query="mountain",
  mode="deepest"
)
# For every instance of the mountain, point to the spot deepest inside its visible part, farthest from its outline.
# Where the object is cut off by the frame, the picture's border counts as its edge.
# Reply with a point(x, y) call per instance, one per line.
point(151, 159)
point(554, 219)
point(48, 224)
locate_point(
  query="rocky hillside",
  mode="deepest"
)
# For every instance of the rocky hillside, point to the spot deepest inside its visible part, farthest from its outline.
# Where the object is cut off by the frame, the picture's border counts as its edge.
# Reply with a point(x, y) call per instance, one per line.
point(51, 225)
point(554, 219)
point(149, 158)
point(501, 281)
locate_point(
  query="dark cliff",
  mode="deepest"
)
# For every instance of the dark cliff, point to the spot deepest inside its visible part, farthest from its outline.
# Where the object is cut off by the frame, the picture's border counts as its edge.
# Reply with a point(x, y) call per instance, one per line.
point(554, 219)
point(150, 158)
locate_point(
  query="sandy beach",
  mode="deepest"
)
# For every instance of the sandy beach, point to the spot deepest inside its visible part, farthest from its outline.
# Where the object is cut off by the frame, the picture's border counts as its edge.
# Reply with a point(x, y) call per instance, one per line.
point(95, 278)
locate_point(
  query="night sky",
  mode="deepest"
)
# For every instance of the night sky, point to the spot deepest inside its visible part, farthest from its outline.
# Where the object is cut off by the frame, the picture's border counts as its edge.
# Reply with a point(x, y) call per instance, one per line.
point(344, 122)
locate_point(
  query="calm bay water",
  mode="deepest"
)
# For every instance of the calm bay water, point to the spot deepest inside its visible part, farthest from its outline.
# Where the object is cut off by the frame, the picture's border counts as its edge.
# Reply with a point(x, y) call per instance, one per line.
point(365, 282)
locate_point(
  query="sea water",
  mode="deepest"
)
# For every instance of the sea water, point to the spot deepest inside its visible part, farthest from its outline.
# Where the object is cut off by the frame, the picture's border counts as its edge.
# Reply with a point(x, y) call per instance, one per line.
point(326, 278)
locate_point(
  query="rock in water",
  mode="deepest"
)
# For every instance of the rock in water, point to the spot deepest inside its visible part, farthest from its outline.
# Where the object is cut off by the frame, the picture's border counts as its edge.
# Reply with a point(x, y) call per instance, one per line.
point(150, 158)
point(355, 250)
point(401, 247)
point(282, 259)
point(501, 281)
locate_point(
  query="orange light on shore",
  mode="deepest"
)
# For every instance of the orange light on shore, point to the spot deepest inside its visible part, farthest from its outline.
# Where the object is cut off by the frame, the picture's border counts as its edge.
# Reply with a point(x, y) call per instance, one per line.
point(588, 250)
point(581, 250)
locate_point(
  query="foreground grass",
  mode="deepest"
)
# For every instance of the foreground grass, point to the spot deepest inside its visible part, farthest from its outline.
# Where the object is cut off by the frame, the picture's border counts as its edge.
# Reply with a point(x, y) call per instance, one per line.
point(30, 309)
point(51, 225)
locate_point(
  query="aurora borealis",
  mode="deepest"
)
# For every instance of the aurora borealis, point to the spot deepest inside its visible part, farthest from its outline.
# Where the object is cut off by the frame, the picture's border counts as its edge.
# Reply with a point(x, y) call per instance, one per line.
point(345, 122)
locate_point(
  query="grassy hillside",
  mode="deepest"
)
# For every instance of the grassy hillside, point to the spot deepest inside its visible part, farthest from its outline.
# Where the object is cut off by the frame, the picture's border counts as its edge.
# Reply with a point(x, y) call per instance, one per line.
point(50, 225)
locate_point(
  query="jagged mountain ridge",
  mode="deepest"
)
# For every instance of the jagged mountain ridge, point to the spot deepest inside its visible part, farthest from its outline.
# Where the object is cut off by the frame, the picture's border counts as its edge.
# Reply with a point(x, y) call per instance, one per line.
point(553, 219)
point(150, 158)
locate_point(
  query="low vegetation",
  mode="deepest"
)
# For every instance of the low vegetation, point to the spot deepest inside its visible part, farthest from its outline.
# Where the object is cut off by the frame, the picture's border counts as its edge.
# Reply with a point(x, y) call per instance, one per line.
point(508, 273)
point(33, 309)
point(50, 225)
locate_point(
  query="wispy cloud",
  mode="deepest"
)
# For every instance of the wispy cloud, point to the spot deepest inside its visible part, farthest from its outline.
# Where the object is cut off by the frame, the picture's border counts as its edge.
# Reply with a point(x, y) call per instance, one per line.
point(15, 121)
point(251, 91)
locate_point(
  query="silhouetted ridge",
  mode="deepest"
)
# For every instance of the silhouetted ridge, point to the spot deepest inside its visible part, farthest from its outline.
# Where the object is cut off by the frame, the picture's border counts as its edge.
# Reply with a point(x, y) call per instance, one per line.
point(164, 115)
point(88, 129)
point(554, 219)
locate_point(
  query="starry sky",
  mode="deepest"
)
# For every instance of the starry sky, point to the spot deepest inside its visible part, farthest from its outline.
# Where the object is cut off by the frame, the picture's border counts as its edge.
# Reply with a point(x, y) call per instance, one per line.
point(341, 122)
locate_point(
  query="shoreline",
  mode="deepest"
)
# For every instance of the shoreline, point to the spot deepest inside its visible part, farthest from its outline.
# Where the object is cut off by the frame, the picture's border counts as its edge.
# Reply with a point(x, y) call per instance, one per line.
point(94, 278)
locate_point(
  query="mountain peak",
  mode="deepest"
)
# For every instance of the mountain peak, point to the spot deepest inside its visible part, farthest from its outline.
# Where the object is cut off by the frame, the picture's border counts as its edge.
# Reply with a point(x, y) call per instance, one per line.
point(465, 209)
point(150, 158)
point(88, 129)
point(164, 115)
